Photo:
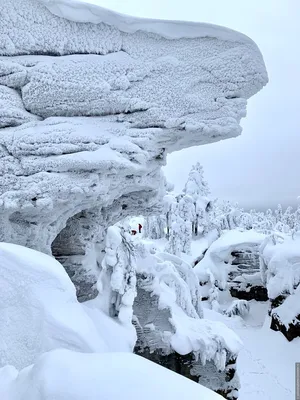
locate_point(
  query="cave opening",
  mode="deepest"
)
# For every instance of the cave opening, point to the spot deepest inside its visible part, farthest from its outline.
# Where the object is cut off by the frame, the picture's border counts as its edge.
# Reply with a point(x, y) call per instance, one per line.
point(79, 248)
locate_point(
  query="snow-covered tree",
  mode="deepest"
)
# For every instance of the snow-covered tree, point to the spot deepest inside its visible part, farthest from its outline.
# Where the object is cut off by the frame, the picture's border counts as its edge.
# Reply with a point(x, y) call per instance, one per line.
point(226, 215)
point(177, 231)
point(197, 189)
point(278, 213)
point(117, 280)
point(169, 205)
point(196, 185)
point(288, 218)
point(186, 213)
point(154, 226)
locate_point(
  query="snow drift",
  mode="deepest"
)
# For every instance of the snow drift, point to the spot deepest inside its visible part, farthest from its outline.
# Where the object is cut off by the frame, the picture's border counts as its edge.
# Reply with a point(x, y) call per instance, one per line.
point(39, 311)
point(147, 88)
point(64, 375)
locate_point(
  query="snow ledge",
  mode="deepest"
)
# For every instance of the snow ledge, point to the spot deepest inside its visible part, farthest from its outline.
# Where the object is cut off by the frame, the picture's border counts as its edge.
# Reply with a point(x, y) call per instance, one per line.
point(78, 11)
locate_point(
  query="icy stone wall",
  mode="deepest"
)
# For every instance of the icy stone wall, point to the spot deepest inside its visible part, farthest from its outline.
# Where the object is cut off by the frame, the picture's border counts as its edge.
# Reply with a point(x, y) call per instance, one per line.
point(90, 104)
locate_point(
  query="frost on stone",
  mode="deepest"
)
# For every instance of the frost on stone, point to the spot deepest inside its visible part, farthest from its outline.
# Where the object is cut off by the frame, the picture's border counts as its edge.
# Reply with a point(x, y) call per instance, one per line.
point(13, 112)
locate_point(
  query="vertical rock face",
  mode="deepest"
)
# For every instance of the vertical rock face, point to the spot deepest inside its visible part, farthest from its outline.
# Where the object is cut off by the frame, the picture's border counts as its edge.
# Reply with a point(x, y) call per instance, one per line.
point(244, 277)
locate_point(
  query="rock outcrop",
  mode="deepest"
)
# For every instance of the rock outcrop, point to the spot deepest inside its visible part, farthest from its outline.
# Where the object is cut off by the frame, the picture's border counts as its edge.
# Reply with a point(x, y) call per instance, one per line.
point(231, 264)
point(91, 103)
point(244, 277)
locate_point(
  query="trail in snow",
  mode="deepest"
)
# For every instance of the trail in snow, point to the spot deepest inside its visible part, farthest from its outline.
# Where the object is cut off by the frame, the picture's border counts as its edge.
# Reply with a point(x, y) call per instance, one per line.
point(266, 364)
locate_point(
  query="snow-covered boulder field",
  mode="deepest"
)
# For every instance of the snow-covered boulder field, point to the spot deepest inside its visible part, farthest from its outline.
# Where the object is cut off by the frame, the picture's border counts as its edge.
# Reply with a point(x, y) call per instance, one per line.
point(91, 102)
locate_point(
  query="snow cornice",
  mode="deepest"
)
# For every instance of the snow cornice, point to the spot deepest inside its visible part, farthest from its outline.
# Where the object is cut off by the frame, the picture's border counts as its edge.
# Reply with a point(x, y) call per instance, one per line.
point(78, 11)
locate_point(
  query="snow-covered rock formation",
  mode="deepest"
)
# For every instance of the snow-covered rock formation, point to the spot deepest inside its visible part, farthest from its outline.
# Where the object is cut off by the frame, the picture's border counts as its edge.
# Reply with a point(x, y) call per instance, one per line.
point(90, 104)
point(280, 268)
point(224, 267)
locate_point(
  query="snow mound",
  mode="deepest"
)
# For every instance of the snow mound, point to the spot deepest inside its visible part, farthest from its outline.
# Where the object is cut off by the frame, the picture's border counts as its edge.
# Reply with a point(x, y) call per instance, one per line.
point(40, 311)
point(280, 264)
point(289, 311)
point(64, 375)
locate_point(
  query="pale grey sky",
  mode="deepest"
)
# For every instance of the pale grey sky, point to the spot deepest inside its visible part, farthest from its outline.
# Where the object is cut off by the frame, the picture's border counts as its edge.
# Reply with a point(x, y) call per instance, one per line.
point(262, 166)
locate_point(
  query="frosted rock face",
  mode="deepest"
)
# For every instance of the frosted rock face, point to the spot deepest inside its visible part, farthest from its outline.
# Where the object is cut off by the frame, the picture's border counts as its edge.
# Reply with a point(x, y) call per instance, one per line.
point(13, 112)
point(97, 120)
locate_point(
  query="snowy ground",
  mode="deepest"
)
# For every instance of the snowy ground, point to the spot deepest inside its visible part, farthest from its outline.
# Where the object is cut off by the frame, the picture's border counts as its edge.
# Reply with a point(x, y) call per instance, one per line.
point(266, 364)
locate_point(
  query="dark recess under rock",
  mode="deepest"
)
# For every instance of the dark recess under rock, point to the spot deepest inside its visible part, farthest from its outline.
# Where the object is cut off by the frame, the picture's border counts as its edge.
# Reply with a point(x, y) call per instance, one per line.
point(206, 375)
point(293, 330)
point(258, 293)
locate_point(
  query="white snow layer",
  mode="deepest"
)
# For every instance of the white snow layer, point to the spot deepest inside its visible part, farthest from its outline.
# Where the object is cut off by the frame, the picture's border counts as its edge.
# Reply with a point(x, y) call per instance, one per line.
point(39, 311)
point(65, 375)
point(81, 11)
point(148, 88)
